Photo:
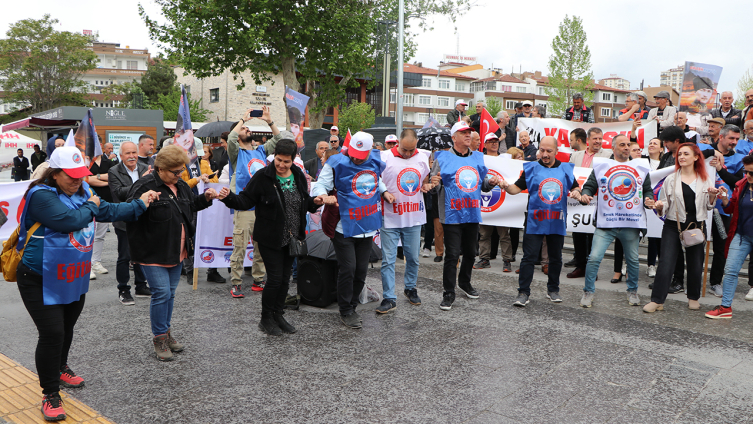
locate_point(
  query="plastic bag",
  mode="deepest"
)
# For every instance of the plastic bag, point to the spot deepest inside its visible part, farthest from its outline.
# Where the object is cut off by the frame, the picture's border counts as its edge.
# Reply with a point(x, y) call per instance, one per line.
point(369, 295)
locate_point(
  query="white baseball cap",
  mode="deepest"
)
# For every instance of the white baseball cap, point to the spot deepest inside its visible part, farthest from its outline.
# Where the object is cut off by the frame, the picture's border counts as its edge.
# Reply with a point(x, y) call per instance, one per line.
point(199, 146)
point(361, 144)
point(334, 127)
point(459, 126)
point(461, 102)
point(490, 136)
point(70, 160)
point(392, 138)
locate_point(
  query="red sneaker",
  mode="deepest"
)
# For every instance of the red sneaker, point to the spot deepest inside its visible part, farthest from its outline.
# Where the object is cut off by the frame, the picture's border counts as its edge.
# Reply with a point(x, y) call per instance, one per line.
point(257, 286)
point(69, 379)
point(236, 291)
point(52, 407)
point(720, 312)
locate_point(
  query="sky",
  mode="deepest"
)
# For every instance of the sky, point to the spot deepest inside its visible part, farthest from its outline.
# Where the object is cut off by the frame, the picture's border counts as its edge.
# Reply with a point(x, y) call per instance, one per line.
point(634, 40)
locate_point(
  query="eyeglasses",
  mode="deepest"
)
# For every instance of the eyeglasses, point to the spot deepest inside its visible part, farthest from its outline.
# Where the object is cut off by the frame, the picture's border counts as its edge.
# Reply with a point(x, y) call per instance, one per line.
point(177, 173)
point(748, 173)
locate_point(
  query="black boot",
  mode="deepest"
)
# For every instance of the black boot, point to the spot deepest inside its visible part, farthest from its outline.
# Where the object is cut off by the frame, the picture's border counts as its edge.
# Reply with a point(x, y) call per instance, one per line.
point(214, 277)
point(269, 325)
point(285, 326)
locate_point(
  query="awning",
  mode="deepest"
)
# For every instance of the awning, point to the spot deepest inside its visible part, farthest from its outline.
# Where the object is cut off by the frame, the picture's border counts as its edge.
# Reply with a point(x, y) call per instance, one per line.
point(34, 122)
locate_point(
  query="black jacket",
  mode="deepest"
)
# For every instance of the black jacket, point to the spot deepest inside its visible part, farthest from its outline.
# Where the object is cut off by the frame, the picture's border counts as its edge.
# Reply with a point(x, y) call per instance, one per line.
point(219, 159)
point(730, 119)
point(120, 184)
point(312, 167)
point(37, 160)
point(264, 193)
point(155, 237)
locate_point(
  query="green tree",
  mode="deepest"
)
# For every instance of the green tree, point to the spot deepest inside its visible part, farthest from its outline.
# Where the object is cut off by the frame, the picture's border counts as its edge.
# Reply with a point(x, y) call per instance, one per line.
point(356, 117)
point(169, 104)
point(129, 94)
point(43, 68)
point(319, 46)
point(744, 84)
point(569, 67)
point(493, 105)
point(159, 79)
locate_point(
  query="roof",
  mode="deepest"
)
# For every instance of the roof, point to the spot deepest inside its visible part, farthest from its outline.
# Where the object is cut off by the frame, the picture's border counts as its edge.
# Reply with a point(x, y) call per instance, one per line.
point(605, 88)
point(428, 71)
point(502, 78)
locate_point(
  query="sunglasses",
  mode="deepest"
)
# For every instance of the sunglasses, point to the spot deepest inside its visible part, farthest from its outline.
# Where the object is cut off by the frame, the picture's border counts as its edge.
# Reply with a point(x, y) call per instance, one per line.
point(748, 173)
point(177, 173)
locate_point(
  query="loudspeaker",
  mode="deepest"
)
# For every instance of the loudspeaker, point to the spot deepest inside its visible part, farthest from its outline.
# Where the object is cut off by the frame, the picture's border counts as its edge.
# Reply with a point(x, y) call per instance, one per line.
point(317, 281)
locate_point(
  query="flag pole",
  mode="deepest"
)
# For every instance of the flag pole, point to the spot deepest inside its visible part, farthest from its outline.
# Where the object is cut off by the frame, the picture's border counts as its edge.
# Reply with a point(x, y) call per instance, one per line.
point(705, 269)
point(400, 66)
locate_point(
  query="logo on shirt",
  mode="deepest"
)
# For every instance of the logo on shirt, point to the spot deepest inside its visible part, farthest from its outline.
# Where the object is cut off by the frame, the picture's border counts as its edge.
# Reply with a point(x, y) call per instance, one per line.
point(76, 158)
point(551, 191)
point(409, 181)
point(491, 200)
point(466, 179)
point(364, 184)
point(255, 165)
point(207, 256)
point(622, 182)
point(83, 239)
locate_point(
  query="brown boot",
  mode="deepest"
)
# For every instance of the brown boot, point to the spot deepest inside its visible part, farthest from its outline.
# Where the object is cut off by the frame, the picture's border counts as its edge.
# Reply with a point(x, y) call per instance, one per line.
point(174, 345)
point(162, 348)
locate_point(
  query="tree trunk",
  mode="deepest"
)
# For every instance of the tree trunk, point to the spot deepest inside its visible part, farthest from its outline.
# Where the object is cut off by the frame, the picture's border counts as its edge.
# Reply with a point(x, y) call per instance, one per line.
point(290, 80)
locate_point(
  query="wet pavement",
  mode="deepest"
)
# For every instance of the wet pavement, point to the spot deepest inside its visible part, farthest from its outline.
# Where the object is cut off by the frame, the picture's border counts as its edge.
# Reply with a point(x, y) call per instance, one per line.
point(482, 362)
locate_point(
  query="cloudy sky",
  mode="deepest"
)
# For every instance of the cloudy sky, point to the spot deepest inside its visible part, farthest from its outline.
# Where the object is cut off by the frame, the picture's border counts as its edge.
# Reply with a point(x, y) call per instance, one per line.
point(635, 40)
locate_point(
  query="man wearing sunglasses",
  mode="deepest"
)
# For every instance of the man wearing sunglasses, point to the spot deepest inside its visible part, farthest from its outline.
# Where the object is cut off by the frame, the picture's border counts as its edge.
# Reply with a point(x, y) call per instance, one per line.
point(334, 142)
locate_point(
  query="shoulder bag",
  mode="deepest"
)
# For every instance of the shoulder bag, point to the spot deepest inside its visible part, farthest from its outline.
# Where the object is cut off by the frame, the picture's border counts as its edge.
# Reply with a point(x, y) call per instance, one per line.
point(690, 236)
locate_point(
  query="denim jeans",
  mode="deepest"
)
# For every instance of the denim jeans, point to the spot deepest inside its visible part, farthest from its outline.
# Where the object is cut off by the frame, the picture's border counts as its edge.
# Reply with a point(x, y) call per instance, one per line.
point(163, 282)
point(411, 238)
point(739, 248)
point(603, 237)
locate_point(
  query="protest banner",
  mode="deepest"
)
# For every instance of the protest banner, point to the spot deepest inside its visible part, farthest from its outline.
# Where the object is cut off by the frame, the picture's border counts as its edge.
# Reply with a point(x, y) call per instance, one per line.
point(12, 204)
point(497, 207)
point(698, 95)
point(214, 234)
point(183, 129)
point(296, 104)
point(87, 140)
point(539, 128)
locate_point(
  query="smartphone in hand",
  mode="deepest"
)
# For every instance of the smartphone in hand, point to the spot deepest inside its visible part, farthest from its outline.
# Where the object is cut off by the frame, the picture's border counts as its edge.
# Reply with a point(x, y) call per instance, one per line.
point(256, 113)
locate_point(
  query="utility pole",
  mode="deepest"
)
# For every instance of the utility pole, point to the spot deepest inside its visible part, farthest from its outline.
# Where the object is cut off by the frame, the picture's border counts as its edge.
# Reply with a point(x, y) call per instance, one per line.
point(400, 60)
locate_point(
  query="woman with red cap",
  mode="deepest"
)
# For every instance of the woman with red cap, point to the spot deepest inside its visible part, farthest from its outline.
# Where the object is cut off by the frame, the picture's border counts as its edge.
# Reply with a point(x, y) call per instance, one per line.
point(59, 215)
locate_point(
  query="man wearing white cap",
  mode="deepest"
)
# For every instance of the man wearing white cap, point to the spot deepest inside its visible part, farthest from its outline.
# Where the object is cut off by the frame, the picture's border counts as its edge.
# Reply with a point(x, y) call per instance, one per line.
point(459, 177)
point(390, 141)
point(334, 131)
point(356, 174)
point(456, 114)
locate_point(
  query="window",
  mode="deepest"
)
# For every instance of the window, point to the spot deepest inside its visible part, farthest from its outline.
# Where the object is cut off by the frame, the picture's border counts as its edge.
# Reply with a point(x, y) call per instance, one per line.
point(520, 89)
point(477, 86)
point(393, 96)
point(541, 91)
point(133, 64)
point(605, 111)
point(443, 101)
point(510, 104)
point(421, 118)
point(120, 64)
point(444, 84)
point(426, 82)
point(408, 99)
point(459, 86)
point(606, 97)
point(392, 114)
point(441, 118)
point(188, 89)
point(424, 100)
point(506, 88)
point(214, 95)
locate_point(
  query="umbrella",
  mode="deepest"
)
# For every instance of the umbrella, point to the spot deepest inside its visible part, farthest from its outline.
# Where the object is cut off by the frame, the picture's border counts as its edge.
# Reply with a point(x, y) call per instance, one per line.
point(434, 138)
point(215, 129)
point(320, 246)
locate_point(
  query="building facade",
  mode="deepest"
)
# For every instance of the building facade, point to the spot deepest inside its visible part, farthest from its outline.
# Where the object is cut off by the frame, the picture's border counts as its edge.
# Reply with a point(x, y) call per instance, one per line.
point(615, 82)
point(673, 77)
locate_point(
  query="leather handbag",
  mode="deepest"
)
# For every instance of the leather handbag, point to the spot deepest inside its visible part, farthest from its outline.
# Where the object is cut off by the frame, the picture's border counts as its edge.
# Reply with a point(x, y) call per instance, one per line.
point(690, 236)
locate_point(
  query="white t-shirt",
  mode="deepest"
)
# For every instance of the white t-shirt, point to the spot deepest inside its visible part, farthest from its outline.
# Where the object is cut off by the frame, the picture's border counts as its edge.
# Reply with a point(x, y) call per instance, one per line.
point(403, 178)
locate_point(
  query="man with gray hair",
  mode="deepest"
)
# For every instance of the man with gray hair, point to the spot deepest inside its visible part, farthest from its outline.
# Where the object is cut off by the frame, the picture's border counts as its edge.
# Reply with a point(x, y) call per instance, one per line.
point(745, 145)
point(632, 111)
point(726, 111)
point(539, 111)
point(579, 112)
point(476, 117)
point(506, 133)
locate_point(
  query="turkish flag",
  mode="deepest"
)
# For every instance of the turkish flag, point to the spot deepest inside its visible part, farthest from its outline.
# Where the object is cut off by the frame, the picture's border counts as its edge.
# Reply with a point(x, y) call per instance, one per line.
point(488, 125)
point(563, 154)
point(346, 142)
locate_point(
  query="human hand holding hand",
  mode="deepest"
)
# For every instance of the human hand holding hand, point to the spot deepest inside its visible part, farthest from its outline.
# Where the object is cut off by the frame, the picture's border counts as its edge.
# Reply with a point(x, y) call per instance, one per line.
point(94, 199)
point(649, 202)
point(388, 197)
point(659, 206)
point(435, 180)
point(223, 193)
point(494, 181)
point(329, 200)
point(585, 199)
point(210, 194)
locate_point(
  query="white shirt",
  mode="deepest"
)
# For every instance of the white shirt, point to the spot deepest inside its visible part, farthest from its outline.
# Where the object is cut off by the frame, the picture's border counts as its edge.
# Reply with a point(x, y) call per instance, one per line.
point(133, 174)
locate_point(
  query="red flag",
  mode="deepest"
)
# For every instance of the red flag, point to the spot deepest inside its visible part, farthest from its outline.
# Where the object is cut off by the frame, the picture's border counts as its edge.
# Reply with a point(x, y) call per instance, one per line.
point(563, 154)
point(488, 125)
point(346, 142)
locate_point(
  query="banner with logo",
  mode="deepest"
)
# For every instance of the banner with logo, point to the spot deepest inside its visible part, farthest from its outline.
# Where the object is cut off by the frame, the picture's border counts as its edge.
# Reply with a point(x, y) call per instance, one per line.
point(498, 208)
point(539, 128)
point(296, 104)
point(214, 235)
point(183, 129)
point(12, 204)
point(699, 84)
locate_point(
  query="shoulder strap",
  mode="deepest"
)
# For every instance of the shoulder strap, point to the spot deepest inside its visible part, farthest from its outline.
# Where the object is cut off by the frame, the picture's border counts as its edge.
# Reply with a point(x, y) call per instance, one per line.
point(31, 231)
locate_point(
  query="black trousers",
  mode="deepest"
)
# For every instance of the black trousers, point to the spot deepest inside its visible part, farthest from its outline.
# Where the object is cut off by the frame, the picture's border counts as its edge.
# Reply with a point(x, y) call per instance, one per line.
point(353, 262)
point(514, 239)
point(717, 265)
point(654, 249)
point(428, 234)
point(531, 250)
point(582, 245)
point(671, 249)
point(279, 267)
point(55, 326)
point(122, 274)
point(459, 238)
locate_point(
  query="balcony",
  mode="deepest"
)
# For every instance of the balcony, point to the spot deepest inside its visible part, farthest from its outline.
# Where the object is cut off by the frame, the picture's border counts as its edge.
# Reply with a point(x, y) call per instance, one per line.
point(117, 50)
point(116, 72)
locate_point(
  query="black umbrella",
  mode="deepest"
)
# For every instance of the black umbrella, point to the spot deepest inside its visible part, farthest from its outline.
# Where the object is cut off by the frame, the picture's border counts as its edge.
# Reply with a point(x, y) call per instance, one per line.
point(215, 129)
point(320, 246)
point(434, 138)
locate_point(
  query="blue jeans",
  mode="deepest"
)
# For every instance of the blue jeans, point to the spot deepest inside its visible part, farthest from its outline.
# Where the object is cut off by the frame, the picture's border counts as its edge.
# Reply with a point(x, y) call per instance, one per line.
point(629, 237)
point(163, 282)
point(411, 238)
point(739, 248)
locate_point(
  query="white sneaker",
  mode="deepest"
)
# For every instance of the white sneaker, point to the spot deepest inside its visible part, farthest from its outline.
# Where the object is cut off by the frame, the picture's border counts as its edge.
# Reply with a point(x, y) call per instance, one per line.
point(716, 290)
point(651, 271)
point(749, 296)
point(426, 253)
point(92, 276)
point(98, 268)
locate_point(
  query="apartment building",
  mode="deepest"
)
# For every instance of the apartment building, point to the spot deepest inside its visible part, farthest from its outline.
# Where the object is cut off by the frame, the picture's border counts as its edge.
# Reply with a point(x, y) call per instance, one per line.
point(673, 77)
point(115, 65)
point(615, 81)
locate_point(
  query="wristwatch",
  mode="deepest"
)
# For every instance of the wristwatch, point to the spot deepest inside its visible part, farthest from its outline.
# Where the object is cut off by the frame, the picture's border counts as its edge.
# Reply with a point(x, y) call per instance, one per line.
point(271, 123)
point(99, 178)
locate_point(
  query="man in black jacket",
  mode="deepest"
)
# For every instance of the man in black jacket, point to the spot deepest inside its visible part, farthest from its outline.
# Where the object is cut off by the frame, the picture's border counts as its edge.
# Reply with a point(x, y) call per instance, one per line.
point(726, 111)
point(120, 178)
point(20, 167)
point(314, 165)
point(37, 158)
point(219, 155)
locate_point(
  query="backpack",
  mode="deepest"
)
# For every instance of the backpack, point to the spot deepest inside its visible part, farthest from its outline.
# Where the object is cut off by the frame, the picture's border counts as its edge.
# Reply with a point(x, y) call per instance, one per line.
point(11, 257)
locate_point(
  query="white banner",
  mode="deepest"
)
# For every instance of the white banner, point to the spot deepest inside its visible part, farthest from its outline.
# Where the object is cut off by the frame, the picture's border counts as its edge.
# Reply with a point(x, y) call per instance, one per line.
point(214, 235)
point(499, 208)
point(580, 218)
point(11, 196)
point(539, 128)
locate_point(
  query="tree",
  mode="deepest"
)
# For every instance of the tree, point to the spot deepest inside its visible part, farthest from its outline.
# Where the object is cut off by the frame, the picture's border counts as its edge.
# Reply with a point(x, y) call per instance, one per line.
point(356, 117)
point(42, 67)
point(169, 104)
point(744, 84)
point(569, 67)
point(159, 79)
point(493, 105)
point(320, 45)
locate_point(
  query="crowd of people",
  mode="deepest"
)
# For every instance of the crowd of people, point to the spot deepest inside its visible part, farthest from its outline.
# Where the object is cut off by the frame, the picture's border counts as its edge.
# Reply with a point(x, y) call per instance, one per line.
point(149, 192)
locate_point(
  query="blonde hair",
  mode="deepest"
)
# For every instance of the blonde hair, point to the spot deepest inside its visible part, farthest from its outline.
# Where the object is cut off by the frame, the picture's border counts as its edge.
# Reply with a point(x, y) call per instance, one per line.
point(514, 151)
point(171, 157)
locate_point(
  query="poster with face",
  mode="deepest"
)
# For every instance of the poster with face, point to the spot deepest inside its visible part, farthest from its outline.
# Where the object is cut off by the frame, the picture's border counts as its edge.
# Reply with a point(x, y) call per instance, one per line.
point(699, 89)
point(296, 106)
